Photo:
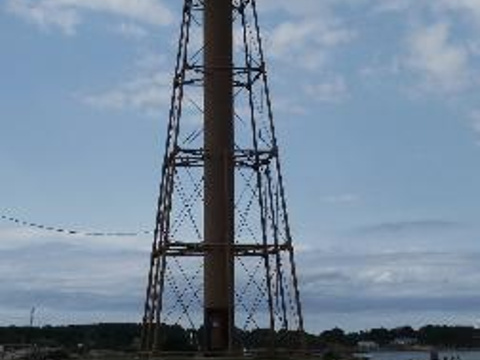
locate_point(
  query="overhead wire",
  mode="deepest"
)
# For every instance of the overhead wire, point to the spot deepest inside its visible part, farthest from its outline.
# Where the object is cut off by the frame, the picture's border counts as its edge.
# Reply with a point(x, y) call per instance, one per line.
point(62, 230)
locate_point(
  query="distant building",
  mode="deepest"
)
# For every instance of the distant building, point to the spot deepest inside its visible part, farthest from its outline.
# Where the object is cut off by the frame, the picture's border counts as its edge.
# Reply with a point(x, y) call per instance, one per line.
point(367, 345)
point(405, 341)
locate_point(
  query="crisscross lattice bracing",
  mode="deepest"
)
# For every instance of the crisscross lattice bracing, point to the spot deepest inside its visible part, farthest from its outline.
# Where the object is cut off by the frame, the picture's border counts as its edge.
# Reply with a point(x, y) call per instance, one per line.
point(266, 297)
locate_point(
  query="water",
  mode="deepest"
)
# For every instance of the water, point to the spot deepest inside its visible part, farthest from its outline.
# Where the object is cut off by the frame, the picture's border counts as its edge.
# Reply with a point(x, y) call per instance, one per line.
point(423, 355)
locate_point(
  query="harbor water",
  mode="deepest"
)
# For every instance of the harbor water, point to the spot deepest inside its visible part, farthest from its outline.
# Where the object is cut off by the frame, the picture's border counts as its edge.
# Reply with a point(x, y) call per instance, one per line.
point(423, 355)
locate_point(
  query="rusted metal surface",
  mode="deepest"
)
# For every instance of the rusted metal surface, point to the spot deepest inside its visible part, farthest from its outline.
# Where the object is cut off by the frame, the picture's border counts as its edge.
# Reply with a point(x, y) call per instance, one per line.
point(219, 174)
point(222, 261)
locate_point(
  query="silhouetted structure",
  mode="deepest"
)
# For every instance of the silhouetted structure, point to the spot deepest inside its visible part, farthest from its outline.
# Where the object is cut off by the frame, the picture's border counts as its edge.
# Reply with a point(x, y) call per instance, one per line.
point(222, 261)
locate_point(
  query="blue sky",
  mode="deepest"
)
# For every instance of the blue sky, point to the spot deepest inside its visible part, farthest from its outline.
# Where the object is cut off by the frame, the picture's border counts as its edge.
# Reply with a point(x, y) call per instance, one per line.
point(376, 104)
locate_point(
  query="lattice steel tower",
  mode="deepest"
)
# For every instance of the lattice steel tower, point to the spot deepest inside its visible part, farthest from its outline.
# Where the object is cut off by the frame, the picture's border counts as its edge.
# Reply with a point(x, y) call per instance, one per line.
point(222, 262)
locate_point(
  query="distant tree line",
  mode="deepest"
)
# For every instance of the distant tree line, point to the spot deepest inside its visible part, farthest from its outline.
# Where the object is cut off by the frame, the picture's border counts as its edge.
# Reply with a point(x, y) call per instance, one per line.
point(99, 336)
point(126, 337)
point(430, 335)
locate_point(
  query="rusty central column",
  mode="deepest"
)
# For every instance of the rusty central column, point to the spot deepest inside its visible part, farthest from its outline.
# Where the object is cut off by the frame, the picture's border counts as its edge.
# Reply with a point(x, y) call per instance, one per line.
point(219, 176)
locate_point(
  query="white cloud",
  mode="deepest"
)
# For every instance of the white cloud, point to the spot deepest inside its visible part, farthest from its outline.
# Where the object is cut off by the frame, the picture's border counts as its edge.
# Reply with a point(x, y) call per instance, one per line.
point(471, 7)
point(149, 90)
point(46, 14)
point(299, 7)
point(309, 36)
point(66, 14)
point(13, 237)
point(474, 119)
point(396, 5)
point(332, 91)
point(442, 65)
point(289, 34)
point(130, 31)
point(307, 43)
point(411, 274)
point(289, 106)
point(67, 276)
point(147, 11)
point(146, 93)
point(23, 237)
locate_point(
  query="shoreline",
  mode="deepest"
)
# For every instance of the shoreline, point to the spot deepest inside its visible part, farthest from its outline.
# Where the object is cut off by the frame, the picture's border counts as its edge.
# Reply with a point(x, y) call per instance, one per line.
point(418, 349)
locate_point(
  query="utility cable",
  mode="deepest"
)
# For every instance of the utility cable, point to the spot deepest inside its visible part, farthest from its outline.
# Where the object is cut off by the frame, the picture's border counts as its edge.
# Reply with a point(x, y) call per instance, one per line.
point(62, 230)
